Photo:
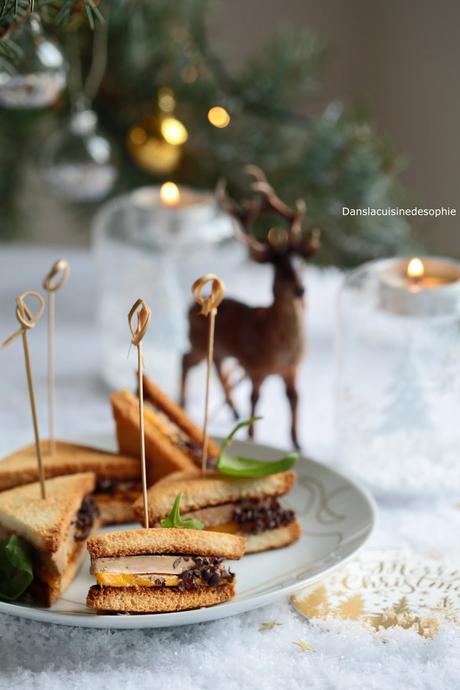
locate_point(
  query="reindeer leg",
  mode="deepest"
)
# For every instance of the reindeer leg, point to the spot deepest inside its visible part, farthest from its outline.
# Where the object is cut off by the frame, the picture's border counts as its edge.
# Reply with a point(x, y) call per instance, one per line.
point(254, 400)
point(292, 396)
point(224, 380)
point(189, 360)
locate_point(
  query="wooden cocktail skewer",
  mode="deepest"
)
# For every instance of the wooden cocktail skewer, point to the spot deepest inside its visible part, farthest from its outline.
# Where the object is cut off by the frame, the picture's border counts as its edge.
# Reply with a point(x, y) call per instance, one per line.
point(208, 308)
point(143, 313)
point(27, 320)
point(54, 280)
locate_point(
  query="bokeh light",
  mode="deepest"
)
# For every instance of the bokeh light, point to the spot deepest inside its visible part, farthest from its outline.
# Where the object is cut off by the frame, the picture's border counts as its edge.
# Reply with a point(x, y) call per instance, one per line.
point(219, 117)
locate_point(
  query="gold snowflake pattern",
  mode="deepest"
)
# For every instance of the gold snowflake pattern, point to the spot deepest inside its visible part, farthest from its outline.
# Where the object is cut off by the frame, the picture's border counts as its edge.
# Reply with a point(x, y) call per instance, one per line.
point(304, 646)
point(269, 625)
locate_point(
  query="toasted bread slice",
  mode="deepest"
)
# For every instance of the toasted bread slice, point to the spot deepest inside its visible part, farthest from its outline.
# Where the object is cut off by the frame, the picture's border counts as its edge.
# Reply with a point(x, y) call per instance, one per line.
point(155, 600)
point(177, 414)
point(162, 454)
point(165, 541)
point(48, 592)
point(211, 490)
point(44, 523)
point(20, 467)
point(273, 538)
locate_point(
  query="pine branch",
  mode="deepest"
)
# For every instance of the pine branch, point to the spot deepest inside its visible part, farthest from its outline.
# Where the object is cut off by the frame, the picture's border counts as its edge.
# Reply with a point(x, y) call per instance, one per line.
point(11, 9)
point(283, 63)
point(334, 160)
point(12, 12)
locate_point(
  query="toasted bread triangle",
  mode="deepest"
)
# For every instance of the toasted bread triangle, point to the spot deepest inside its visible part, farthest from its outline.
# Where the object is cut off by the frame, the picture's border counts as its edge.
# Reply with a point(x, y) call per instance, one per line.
point(163, 541)
point(162, 456)
point(155, 599)
point(20, 467)
point(44, 523)
point(198, 491)
point(177, 414)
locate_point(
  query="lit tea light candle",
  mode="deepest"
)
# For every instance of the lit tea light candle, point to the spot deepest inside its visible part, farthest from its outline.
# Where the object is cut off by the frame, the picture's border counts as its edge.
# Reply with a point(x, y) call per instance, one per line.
point(419, 287)
point(174, 213)
point(172, 199)
point(170, 194)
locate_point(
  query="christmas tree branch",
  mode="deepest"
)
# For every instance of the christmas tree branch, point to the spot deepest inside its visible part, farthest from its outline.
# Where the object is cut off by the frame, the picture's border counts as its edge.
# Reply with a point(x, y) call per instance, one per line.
point(332, 160)
point(247, 89)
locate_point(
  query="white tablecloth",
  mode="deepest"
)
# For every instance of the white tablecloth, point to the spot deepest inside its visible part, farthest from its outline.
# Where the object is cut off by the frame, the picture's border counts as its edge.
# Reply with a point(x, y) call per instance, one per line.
point(232, 653)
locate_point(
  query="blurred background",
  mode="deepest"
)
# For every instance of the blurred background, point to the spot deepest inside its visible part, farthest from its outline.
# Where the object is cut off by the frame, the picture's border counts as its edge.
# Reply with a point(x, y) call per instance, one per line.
point(118, 118)
point(341, 103)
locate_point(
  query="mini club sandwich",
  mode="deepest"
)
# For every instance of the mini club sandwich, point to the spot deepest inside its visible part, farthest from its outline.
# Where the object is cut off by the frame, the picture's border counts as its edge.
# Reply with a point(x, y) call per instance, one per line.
point(43, 540)
point(118, 481)
point(172, 440)
point(160, 570)
point(246, 507)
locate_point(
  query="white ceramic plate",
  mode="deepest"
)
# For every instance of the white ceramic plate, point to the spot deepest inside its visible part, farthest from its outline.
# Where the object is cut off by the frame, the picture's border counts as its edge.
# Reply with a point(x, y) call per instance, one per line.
point(337, 517)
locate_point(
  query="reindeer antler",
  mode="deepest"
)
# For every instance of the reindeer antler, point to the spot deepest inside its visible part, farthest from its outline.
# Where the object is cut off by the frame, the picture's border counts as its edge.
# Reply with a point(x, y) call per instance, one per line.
point(271, 200)
point(266, 201)
point(245, 217)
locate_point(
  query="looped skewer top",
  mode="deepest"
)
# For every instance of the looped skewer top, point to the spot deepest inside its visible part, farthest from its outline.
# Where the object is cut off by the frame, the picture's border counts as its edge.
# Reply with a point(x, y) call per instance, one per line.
point(60, 267)
point(143, 312)
point(23, 313)
point(26, 318)
point(209, 304)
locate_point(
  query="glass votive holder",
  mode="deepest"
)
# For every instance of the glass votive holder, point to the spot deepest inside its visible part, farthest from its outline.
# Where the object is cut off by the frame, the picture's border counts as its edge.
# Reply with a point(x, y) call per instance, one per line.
point(154, 244)
point(398, 376)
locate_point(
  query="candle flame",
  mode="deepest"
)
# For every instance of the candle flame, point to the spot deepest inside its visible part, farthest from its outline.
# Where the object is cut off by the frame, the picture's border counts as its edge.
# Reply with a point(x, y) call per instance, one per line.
point(169, 194)
point(415, 269)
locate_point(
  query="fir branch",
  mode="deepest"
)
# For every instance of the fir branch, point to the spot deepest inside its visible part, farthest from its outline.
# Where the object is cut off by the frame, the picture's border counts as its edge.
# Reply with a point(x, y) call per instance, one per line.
point(93, 13)
point(62, 13)
point(11, 9)
point(284, 63)
point(199, 34)
point(286, 67)
point(13, 12)
point(334, 160)
point(10, 54)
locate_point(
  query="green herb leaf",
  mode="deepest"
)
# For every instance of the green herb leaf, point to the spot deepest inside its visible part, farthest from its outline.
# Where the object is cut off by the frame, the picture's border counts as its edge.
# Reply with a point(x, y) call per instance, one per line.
point(174, 519)
point(250, 468)
point(16, 572)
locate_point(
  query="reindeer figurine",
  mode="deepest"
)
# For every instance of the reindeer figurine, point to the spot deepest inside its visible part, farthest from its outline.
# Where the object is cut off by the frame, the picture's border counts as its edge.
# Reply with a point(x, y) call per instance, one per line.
point(270, 340)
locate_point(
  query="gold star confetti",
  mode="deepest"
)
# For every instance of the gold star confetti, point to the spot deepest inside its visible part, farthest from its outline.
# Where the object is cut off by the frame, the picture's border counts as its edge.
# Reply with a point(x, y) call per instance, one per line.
point(303, 645)
point(269, 625)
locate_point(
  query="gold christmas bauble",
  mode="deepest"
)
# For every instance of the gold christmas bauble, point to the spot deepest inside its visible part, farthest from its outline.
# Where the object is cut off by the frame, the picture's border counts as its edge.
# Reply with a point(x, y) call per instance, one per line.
point(151, 150)
point(156, 141)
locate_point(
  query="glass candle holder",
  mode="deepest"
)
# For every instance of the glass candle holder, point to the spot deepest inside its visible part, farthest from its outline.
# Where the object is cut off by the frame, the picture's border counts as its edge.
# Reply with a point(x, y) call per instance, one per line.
point(398, 375)
point(153, 243)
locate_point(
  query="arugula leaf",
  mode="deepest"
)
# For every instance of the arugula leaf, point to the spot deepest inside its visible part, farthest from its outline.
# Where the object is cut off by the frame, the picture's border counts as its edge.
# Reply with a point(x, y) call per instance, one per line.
point(174, 519)
point(16, 572)
point(250, 468)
